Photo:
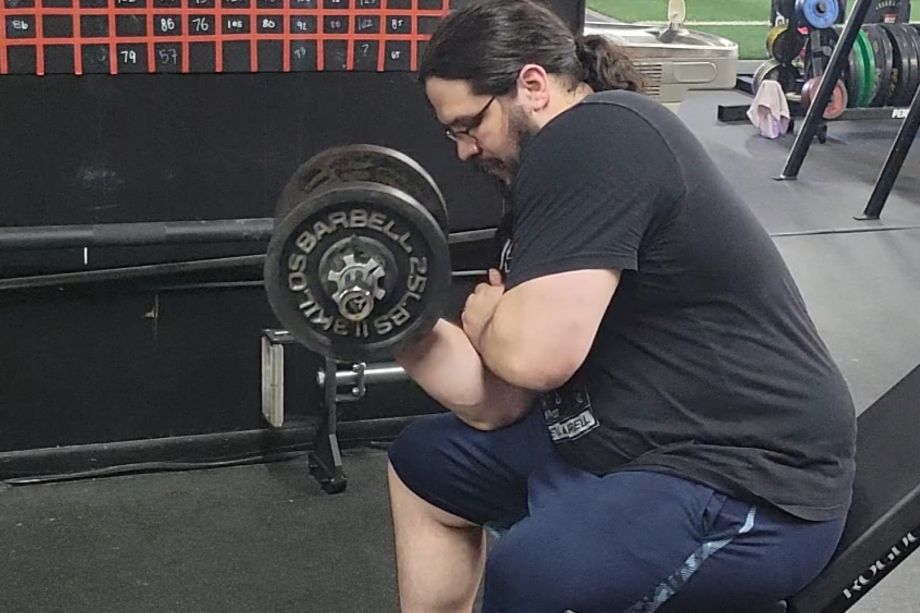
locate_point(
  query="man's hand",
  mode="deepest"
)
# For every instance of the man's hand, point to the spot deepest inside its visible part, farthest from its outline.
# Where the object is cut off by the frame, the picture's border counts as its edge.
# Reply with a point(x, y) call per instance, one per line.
point(480, 307)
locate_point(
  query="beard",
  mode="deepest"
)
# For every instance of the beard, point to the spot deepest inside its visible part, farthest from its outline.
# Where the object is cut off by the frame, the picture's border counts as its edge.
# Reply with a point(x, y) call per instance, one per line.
point(520, 133)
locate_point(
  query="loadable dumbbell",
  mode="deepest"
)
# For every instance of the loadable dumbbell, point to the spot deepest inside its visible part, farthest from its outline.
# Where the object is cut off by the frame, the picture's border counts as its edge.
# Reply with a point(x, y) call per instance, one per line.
point(358, 264)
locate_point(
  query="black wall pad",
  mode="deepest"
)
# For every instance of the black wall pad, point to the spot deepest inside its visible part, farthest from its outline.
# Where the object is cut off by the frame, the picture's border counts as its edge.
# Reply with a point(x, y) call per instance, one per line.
point(883, 527)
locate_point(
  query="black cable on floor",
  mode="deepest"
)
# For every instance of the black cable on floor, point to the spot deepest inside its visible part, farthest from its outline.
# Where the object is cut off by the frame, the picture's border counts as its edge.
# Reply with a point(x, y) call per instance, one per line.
point(147, 467)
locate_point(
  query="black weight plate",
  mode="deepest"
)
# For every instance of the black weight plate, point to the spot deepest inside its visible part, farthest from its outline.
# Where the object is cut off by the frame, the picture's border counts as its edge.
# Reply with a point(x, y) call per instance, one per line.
point(416, 282)
point(881, 47)
point(884, 61)
point(363, 162)
point(914, 63)
point(784, 44)
point(900, 68)
point(910, 61)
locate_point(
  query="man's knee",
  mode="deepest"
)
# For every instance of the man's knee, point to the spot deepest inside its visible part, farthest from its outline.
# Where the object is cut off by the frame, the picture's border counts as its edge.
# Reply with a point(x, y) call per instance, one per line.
point(521, 575)
point(412, 452)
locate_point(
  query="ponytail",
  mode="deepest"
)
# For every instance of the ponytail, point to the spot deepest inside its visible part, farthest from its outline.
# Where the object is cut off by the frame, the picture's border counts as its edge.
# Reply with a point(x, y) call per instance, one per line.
point(487, 42)
point(606, 65)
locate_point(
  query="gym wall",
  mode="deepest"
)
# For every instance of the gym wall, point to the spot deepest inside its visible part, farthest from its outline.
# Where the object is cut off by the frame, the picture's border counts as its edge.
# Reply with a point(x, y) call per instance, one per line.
point(108, 117)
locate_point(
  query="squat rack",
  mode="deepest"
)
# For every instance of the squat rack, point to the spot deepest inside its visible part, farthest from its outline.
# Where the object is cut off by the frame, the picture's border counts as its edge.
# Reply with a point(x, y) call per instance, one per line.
point(814, 119)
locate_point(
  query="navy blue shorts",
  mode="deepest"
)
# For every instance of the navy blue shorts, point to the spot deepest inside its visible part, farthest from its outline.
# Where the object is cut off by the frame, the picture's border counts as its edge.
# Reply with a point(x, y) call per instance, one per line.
point(634, 540)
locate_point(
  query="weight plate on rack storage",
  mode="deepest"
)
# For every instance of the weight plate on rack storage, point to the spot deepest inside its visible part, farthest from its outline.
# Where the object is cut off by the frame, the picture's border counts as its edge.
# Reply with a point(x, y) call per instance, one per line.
point(914, 63)
point(882, 58)
point(867, 80)
point(857, 69)
point(835, 106)
point(901, 67)
point(364, 162)
point(896, 82)
point(851, 69)
point(839, 101)
point(818, 14)
point(772, 70)
point(784, 44)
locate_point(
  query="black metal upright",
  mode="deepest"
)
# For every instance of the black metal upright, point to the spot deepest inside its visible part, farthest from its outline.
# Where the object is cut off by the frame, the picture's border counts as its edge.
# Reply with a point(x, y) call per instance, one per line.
point(895, 161)
point(325, 460)
point(814, 118)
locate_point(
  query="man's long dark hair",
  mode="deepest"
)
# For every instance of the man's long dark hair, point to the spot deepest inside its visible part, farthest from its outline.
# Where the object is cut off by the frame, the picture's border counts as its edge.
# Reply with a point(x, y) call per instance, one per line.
point(487, 43)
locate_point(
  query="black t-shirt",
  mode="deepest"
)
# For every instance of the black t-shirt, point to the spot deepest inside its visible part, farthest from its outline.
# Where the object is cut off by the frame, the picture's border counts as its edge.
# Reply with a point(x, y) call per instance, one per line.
point(706, 364)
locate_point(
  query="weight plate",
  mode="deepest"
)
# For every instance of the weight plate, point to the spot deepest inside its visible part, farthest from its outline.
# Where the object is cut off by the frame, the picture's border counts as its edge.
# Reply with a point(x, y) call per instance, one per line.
point(818, 14)
point(871, 83)
point(857, 73)
point(888, 11)
point(851, 69)
point(835, 106)
point(901, 67)
point(363, 162)
point(881, 47)
point(895, 83)
point(772, 70)
point(784, 44)
point(867, 82)
point(357, 234)
point(914, 63)
point(838, 102)
point(854, 70)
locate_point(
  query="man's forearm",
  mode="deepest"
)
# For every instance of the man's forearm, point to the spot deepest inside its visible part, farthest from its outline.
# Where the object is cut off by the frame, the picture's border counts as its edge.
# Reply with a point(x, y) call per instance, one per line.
point(522, 356)
point(446, 365)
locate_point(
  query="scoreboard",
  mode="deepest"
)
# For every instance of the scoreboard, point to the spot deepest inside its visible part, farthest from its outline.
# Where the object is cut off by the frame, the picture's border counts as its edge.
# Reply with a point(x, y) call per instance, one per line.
point(40, 37)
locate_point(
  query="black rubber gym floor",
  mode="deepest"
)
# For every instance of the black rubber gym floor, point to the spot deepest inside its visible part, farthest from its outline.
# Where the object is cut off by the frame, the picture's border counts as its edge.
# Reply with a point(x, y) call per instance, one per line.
point(265, 538)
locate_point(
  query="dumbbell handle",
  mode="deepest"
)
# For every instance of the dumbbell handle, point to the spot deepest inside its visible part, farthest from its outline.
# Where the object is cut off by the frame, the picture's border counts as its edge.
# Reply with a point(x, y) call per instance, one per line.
point(385, 372)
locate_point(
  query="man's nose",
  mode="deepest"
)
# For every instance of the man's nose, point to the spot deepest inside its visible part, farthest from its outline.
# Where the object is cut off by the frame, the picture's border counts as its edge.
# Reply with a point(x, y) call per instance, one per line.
point(466, 150)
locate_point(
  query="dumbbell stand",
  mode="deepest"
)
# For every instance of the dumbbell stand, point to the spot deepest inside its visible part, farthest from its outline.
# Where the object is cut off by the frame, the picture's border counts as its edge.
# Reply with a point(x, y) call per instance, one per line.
point(326, 459)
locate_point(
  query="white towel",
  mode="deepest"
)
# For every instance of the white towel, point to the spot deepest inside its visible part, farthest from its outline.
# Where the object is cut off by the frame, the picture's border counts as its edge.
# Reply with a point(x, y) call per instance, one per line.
point(769, 111)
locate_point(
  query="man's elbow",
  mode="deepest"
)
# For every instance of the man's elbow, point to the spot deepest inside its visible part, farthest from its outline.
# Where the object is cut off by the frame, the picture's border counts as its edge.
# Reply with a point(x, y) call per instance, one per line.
point(541, 373)
point(494, 420)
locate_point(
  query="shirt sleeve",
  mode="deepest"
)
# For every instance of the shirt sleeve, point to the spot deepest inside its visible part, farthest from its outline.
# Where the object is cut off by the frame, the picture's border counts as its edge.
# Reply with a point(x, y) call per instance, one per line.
point(591, 186)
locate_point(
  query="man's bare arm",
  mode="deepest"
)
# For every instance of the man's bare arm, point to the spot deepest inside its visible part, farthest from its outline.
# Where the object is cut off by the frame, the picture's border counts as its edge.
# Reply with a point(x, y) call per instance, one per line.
point(446, 365)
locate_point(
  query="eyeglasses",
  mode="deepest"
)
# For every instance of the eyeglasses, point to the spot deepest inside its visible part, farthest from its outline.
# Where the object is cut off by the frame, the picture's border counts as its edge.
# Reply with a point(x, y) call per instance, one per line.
point(472, 124)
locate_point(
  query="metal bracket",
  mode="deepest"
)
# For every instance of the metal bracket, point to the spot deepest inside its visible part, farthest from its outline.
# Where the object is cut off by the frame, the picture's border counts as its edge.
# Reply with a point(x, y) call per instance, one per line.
point(325, 459)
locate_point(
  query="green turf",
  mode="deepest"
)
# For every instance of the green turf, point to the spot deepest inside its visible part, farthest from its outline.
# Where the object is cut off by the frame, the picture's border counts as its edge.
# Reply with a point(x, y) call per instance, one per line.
point(697, 10)
point(751, 39)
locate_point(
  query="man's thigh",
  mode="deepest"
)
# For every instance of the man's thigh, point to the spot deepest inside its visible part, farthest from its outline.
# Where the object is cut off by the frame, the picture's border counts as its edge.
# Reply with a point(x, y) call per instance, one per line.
point(640, 541)
point(477, 475)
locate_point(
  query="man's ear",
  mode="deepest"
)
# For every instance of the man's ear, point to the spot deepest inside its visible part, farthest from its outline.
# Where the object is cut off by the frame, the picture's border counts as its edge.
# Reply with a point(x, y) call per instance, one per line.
point(534, 87)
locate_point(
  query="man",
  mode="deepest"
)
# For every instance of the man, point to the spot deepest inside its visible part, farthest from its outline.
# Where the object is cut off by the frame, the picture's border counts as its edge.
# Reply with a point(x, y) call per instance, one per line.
point(641, 395)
